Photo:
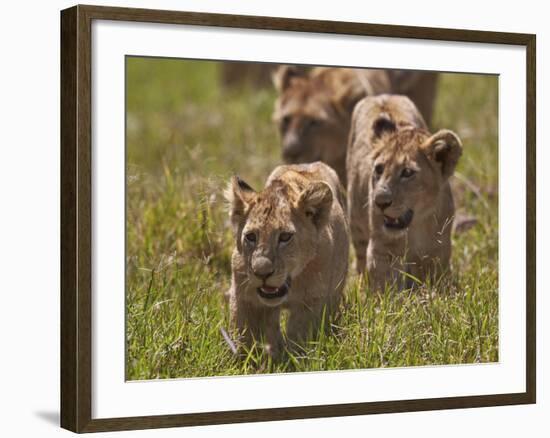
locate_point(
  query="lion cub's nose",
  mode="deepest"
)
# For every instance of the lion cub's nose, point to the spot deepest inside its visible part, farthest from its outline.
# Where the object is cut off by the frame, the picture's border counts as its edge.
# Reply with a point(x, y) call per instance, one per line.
point(262, 267)
point(291, 153)
point(292, 147)
point(383, 199)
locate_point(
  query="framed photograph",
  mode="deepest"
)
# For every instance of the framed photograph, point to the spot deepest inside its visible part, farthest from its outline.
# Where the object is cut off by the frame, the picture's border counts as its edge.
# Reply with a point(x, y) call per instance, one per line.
point(302, 218)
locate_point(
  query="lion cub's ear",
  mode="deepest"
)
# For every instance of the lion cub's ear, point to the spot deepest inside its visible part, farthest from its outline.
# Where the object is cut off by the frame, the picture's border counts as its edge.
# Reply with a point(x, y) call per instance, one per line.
point(239, 195)
point(383, 124)
point(315, 201)
point(444, 147)
point(284, 74)
point(347, 94)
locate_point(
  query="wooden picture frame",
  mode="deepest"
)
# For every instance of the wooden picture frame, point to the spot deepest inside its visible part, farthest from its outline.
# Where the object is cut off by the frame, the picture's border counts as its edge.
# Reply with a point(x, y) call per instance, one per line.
point(76, 218)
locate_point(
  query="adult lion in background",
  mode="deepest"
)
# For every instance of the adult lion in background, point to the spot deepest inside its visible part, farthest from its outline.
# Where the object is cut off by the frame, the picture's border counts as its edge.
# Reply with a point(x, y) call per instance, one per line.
point(291, 252)
point(314, 107)
point(400, 203)
point(418, 86)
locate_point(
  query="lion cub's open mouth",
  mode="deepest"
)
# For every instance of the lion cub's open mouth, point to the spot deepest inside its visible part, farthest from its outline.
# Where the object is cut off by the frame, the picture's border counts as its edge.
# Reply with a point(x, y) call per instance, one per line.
point(399, 223)
point(270, 293)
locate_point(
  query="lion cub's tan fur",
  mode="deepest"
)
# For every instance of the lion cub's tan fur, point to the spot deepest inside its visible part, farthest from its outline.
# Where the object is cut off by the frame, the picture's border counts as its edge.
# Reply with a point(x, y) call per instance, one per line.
point(303, 201)
point(314, 107)
point(397, 171)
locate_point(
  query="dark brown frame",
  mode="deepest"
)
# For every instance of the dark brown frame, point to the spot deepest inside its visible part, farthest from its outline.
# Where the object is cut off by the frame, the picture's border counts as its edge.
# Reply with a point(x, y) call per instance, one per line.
point(76, 237)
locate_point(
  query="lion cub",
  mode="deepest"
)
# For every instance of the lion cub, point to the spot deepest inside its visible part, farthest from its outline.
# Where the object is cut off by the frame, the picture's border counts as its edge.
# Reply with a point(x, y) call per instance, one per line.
point(314, 107)
point(399, 199)
point(291, 252)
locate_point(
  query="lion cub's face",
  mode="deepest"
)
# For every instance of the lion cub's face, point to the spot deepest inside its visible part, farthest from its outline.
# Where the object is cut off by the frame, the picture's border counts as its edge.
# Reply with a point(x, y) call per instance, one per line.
point(276, 232)
point(409, 169)
point(312, 113)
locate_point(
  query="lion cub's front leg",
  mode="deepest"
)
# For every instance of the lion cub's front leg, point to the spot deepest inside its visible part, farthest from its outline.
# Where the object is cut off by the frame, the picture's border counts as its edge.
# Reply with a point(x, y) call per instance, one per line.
point(360, 240)
point(258, 324)
point(359, 228)
point(307, 319)
point(383, 269)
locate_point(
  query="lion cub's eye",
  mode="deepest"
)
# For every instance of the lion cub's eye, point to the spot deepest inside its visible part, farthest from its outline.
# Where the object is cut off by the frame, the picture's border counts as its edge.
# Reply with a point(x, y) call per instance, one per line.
point(379, 169)
point(407, 172)
point(312, 123)
point(285, 237)
point(250, 237)
point(285, 122)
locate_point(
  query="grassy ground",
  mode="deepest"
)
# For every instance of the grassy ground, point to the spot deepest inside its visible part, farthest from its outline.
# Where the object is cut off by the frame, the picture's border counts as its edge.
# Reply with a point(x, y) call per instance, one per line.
point(185, 137)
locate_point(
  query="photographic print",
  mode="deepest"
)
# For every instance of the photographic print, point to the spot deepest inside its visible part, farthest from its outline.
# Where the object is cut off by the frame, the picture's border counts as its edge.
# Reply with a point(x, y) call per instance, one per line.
point(255, 204)
point(297, 218)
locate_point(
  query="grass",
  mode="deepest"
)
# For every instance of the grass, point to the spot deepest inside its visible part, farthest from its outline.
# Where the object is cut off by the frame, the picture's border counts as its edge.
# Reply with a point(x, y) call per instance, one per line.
point(185, 136)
